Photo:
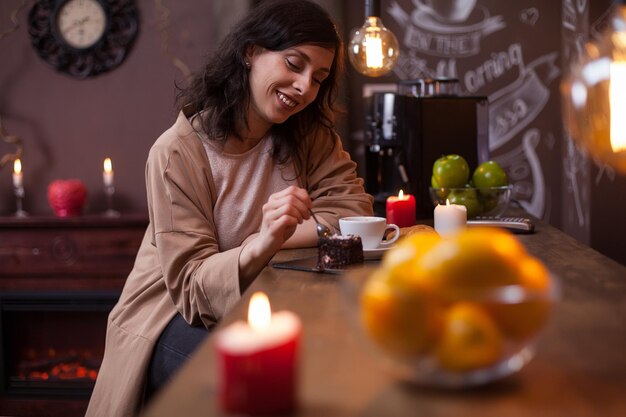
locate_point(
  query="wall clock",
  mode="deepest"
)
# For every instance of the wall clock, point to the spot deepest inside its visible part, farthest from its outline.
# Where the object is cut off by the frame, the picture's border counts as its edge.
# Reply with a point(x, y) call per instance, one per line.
point(83, 38)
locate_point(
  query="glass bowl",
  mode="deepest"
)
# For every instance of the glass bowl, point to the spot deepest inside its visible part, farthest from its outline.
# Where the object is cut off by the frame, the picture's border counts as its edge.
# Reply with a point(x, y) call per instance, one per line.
point(429, 339)
point(489, 201)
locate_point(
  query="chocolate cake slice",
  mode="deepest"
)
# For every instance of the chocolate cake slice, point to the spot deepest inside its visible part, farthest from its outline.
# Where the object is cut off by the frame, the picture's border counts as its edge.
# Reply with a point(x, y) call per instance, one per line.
point(337, 251)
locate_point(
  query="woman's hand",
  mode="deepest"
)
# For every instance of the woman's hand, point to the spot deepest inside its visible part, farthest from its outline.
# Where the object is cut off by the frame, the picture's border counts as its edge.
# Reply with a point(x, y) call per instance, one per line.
point(282, 213)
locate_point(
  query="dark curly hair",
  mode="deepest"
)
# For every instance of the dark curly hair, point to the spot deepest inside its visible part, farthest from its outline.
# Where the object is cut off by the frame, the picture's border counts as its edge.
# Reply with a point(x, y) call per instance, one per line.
point(221, 89)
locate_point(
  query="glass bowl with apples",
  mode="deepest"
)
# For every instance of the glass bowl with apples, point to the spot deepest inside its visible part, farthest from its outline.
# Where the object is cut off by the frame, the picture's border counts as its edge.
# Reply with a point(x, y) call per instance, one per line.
point(486, 192)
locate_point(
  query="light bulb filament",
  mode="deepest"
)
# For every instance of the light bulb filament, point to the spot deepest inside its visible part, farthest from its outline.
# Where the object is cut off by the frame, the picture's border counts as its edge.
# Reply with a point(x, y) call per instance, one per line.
point(373, 50)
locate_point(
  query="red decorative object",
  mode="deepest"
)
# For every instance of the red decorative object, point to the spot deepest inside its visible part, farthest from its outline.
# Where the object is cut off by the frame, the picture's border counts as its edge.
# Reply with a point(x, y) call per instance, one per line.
point(262, 382)
point(401, 210)
point(67, 197)
point(257, 361)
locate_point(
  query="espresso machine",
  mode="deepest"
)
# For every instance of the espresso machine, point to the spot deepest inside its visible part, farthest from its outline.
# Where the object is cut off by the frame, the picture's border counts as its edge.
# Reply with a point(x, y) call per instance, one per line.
point(408, 130)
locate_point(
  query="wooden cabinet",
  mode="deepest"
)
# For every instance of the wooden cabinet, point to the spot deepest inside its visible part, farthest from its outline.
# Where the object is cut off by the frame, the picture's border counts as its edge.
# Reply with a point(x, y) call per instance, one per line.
point(80, 253)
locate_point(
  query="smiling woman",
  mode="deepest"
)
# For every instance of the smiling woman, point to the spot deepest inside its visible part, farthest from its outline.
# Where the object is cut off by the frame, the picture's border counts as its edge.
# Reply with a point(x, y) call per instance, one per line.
point(232, 182)
point(284, 83)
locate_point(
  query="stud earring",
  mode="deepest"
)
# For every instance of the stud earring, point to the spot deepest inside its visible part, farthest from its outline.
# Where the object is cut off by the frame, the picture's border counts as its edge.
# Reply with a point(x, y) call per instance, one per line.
point(247, 64)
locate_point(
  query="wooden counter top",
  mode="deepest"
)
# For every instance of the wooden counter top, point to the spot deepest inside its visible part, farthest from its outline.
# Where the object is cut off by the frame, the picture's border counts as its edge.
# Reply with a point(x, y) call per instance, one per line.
point(579, 368)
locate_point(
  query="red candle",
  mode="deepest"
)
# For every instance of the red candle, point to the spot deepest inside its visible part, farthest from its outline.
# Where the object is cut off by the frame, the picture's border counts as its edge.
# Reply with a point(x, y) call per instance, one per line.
point(401, 210)
point(258, 361)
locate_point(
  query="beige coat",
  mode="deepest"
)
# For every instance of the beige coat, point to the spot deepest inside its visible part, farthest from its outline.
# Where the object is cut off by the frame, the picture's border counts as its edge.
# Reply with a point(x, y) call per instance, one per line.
point(179, 267)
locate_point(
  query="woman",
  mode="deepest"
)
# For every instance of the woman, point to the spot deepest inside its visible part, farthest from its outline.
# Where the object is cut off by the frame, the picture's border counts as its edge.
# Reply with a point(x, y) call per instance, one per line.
point(229, 184)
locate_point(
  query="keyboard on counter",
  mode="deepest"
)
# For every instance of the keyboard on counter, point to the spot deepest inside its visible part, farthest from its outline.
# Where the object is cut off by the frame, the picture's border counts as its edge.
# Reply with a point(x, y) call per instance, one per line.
point(514, 224)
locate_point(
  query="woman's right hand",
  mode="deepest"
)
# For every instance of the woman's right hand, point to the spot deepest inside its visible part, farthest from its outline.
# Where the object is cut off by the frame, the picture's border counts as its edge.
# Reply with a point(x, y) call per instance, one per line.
point(282, 213)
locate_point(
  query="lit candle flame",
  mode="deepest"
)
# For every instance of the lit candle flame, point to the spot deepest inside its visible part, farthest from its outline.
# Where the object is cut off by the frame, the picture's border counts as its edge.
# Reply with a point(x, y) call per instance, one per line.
point(617, 103)
point(108, 166)
point(17, 166)
point(401, 195)
point(259, 311)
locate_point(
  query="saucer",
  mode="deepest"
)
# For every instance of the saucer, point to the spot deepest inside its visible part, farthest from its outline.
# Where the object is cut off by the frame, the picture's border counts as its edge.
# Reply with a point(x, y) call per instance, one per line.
point(372, 254)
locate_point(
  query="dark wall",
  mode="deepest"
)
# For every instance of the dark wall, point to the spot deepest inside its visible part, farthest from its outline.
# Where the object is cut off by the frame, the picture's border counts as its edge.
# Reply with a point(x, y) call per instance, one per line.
point(69, 125)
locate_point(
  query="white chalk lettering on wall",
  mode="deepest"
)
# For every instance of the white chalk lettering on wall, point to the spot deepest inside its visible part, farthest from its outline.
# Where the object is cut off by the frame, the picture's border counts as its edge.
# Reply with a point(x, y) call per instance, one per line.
point(514, 107)
point(529, 16)
point(444, 38)
point(494, 68)
point(574, 22)
point(524, 168)
point(446, 28)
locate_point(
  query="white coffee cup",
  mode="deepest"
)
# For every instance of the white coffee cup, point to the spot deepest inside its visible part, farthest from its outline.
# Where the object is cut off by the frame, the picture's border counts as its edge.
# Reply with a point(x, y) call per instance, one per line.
point(371, 229)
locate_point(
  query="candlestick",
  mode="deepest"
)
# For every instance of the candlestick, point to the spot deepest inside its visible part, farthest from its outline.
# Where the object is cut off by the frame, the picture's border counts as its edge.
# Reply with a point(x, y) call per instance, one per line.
point(258, 361)
point(401, 210)
point(109, 189)
point(18, 188)
point(450, 218)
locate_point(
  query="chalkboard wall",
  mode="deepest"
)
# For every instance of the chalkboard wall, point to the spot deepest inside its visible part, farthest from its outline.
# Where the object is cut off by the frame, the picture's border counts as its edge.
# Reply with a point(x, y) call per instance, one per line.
point(515, 53)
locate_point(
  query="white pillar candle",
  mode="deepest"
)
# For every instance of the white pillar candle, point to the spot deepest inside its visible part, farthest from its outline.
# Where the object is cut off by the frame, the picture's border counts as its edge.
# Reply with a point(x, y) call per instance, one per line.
point(107, 174)
point(450, 219)
point(18, 177)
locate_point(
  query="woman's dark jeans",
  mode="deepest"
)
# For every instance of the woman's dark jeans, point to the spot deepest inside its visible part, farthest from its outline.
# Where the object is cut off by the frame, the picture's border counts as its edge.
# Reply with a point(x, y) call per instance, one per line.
point(175, 345)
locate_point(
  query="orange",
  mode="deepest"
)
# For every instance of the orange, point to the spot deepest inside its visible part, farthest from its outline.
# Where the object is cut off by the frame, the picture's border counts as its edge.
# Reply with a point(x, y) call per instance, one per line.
point(522, 320)
point(470, 340)
point(400, 263)
point(472, 262)
point(401, 321)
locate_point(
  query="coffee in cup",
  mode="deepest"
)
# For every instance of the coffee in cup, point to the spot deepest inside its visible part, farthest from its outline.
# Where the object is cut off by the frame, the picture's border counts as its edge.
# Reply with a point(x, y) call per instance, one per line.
point(371, 229)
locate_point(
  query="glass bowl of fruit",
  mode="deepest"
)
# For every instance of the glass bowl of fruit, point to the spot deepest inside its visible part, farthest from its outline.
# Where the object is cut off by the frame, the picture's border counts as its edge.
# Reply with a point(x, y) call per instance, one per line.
point(453, 312)
point(487, 201)
point(486, 192)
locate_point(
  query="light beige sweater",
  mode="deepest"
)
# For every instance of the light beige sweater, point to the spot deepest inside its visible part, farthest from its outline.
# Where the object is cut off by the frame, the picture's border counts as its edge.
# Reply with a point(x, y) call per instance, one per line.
point(243, 183)
point(180, 267)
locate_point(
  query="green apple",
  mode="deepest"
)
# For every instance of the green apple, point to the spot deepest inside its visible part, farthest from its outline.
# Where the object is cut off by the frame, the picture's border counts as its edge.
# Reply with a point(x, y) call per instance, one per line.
point(489, 174)
point(467, 197)
point(450, 171)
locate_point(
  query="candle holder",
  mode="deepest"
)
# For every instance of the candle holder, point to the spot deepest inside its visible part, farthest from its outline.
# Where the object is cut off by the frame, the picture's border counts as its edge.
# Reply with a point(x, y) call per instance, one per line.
point(19, 197)
point(109, 190)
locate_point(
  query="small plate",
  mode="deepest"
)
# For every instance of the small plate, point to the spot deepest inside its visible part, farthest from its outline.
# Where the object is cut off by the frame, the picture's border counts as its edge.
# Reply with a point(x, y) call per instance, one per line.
point(372, 254)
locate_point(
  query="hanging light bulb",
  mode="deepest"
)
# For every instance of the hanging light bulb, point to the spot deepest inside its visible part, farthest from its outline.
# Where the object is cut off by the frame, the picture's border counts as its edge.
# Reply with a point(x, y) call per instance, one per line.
point(373, 49)
point(594, 95)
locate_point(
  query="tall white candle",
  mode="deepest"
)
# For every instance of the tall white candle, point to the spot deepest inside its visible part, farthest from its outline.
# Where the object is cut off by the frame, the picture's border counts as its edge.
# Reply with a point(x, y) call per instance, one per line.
point(18, 176)
point(107, 174)
point(450, 219)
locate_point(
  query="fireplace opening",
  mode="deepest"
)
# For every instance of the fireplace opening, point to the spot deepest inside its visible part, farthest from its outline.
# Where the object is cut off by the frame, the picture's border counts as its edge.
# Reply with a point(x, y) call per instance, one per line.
point(52, 344)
